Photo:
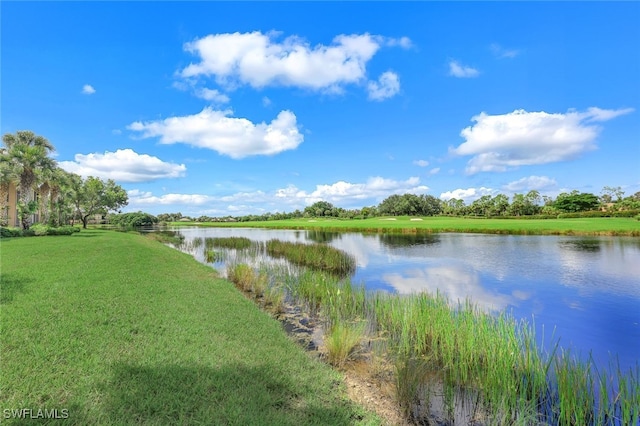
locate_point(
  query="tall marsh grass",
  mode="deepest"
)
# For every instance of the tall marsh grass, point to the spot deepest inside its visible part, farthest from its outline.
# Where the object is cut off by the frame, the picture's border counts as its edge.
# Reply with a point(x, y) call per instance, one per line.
point(316, 256)
point(450, 353)
point(342, 341)
point(238, 243)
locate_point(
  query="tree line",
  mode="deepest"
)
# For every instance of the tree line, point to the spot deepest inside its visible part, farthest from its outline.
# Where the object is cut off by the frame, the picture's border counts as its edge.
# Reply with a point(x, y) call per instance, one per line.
point(531, 204)
point(56, 196)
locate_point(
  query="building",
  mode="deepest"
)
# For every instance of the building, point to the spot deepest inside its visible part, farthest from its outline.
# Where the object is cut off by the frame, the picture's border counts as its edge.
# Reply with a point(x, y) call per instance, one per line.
point(9, 207)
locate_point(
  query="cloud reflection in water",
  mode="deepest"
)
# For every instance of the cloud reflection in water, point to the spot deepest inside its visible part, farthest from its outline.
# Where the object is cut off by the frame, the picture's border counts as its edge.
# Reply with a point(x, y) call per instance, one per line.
point(453, 281)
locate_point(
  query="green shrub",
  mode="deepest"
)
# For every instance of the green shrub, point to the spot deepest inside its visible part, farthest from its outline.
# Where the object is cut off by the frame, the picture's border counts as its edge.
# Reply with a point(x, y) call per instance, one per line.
point(40, 229)
point(133, 220)
point(626, 213)
point(599, 213)
point(10, 232)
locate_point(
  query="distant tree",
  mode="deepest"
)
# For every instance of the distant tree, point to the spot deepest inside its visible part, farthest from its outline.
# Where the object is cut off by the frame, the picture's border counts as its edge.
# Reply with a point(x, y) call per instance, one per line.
point(454, 207)
point(319, 209)
point(482, 206)
point(169, 217)
point(134, 220)
point(532, 202)
point(576, 202)
point(410, 205)
point(92, 196)
point(369, 211)
point(499, 205)
point(631, 202)
point(608, 193)
point(391, 206)
point(430, 205)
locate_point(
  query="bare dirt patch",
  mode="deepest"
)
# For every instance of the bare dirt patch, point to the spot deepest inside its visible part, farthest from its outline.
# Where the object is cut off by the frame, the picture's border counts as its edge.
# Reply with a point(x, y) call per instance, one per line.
point(372, 393)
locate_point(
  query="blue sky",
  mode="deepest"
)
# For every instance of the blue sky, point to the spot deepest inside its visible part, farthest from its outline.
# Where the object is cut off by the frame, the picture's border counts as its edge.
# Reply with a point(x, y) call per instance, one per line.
point(239, 108)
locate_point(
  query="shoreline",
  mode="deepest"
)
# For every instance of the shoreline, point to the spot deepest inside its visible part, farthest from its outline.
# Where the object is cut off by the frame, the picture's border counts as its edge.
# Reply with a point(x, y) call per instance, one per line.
point(614, 227)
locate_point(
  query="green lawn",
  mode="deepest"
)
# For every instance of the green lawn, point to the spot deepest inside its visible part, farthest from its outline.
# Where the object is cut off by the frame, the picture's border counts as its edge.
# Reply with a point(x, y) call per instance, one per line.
point(116, 328)
point(585, 226)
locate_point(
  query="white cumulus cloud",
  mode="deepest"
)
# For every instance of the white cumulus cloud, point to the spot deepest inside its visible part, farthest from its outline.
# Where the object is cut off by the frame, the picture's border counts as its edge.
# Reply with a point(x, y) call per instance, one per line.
point(421, 163)
point(217, 130)
point(212, 95)
point(124, 165)
point(469, 194)
point(143, 198)
point(87, 89)
point(461, 71)
point(519, 138)
point(260, 60)
point(341, 191)
point(538, 183)
point(501, 52)
point(387, 86)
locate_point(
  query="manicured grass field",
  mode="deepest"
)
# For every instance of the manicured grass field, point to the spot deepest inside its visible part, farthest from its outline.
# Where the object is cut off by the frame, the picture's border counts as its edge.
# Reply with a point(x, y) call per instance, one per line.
point(584, 226)
point(119, 329)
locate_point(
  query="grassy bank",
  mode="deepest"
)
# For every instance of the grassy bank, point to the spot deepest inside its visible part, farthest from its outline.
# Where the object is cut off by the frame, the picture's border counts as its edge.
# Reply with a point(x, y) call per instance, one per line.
point(583, 226)
point(119, 329)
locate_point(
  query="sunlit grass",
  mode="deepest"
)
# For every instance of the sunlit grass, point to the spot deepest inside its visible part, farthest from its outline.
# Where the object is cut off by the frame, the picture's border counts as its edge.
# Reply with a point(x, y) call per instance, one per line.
point(404, 224)
point(119, 329)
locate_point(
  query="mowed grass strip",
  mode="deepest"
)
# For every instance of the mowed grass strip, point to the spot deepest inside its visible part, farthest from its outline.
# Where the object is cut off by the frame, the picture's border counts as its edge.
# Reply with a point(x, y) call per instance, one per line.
point(117, 328)
point(582, 226)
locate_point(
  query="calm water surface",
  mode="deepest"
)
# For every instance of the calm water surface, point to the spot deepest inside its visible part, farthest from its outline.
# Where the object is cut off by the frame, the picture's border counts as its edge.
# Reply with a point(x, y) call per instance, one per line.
point(583, 290)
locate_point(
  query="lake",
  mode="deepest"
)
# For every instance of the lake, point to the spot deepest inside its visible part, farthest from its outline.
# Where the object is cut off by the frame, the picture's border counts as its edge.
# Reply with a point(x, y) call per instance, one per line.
point(584, 291)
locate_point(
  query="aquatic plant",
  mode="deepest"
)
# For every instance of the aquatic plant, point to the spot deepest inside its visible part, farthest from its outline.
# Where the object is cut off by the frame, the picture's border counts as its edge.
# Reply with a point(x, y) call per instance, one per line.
point(274, 297)
point(212, 256)
point(242, 275)
point(238, 243)
point(317, 256)
point(342, 340)
point(410, 376)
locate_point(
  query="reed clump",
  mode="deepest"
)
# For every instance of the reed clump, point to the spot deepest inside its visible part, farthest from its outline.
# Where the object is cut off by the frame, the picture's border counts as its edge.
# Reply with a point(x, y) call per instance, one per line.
point(342, 341)
point(242, 275)
point(212, 256)
point(410, 376)
point(274, 298)
point(238, 243)
point(316, 256)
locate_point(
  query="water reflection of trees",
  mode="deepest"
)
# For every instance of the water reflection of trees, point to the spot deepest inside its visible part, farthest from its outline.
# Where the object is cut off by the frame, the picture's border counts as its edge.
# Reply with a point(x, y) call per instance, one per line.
point(322, 236)
point(589, 245)
point(393, 241)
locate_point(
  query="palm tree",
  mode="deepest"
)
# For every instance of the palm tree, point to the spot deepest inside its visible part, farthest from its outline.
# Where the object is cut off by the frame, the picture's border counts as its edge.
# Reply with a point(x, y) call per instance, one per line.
point(29, 156)
point(57, 205)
